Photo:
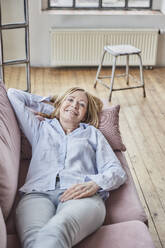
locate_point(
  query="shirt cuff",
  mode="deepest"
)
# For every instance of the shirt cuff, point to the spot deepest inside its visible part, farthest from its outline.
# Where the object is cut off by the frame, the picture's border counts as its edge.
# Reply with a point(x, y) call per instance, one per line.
point(98, 180)
point(45, 98)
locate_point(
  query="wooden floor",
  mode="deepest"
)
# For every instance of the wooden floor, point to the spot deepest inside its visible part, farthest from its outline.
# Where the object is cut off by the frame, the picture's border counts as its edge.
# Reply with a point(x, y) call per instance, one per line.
point(142, 123)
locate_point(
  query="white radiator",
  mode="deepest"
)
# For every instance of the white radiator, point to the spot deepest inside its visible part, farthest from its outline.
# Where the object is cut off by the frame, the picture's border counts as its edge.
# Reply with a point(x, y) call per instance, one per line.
point(84, 47)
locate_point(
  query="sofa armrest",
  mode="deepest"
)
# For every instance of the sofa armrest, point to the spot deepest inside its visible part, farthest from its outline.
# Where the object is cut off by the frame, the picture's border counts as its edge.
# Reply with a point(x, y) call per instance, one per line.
point(3, 234)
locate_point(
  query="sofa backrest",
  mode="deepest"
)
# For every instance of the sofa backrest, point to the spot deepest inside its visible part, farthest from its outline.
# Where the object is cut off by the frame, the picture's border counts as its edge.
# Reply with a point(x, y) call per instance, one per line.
point(9, 153)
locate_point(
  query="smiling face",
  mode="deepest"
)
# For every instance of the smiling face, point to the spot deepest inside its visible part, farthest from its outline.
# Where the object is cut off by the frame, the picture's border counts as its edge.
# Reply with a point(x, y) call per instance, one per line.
point(73, 109)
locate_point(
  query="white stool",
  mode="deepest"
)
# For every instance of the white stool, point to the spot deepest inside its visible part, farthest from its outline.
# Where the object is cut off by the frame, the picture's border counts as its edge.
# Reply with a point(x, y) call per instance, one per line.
point(115, 51)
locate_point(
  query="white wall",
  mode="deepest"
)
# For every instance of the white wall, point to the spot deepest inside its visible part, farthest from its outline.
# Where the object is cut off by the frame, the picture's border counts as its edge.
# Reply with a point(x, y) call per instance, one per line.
point(41, 23)
point(163, 6)
point(156, 4)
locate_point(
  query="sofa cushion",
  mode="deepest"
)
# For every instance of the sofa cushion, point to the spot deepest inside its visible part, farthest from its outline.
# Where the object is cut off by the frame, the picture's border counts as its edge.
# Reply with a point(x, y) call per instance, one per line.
point(10, 223)
point(26, 149)
point(13, 241)
point(131, 234)
point(109, 126)
point(124, 204)
point(9, 153)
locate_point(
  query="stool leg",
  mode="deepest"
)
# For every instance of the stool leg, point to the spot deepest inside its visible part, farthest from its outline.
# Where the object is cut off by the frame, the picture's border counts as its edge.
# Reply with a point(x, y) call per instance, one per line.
point(99, 69)
point(113, 76)
point(127, 69)
point(141, 75)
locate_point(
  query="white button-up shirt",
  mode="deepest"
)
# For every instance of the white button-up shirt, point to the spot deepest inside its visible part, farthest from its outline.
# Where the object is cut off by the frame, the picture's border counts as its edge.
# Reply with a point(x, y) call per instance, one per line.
point(80, 156)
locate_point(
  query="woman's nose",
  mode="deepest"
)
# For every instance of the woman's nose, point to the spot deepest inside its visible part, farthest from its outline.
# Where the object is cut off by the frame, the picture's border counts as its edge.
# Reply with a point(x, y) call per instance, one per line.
point(75, 104)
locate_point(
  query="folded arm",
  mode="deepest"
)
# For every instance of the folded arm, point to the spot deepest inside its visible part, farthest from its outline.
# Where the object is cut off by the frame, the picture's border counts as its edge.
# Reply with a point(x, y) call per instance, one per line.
point(22, 102)
point(110, 174)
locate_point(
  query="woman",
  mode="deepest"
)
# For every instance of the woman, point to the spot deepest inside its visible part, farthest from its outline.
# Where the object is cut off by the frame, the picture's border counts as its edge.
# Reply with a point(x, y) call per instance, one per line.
point(71, 170)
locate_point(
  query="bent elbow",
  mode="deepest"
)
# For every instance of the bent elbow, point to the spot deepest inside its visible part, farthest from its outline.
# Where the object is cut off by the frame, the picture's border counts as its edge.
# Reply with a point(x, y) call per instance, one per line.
point(122, 178)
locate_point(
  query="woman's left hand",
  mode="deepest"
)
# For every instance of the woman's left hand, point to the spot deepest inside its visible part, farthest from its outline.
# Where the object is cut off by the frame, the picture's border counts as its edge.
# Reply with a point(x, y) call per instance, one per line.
point(80, 190)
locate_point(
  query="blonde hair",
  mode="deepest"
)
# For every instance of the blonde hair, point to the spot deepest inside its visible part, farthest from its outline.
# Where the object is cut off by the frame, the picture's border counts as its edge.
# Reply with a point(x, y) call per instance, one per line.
point(94, 106)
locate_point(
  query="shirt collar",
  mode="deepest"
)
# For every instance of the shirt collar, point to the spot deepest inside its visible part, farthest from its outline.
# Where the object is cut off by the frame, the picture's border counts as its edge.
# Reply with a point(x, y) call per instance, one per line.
point(55, 122)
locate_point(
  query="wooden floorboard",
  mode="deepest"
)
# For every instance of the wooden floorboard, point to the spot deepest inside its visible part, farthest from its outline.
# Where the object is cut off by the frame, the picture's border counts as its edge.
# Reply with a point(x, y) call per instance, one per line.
point(142, 124)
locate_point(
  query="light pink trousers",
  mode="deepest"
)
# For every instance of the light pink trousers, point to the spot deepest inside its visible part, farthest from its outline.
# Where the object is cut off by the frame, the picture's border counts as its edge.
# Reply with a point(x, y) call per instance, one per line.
point(43, 221)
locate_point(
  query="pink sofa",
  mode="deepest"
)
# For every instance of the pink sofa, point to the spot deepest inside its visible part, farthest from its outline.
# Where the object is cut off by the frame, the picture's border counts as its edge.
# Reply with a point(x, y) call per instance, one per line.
point(124, 223)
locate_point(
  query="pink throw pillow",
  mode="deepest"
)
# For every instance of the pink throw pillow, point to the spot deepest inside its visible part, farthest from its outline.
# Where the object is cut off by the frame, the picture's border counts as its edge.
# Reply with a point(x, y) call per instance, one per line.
point(109, 126)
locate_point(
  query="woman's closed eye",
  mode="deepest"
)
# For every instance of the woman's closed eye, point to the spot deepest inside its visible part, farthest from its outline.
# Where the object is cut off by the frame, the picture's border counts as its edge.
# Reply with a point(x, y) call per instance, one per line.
point(70, 99)
point(82, 104)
